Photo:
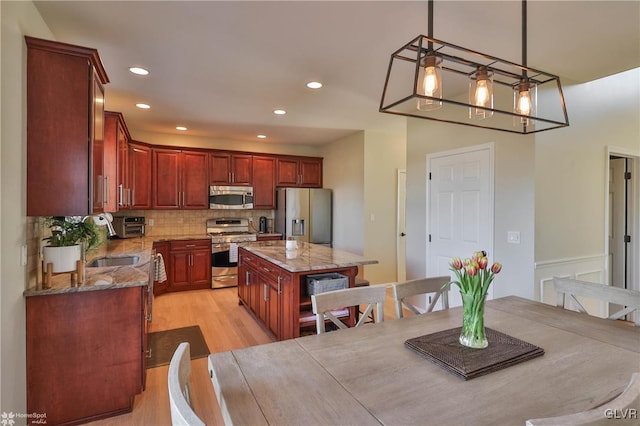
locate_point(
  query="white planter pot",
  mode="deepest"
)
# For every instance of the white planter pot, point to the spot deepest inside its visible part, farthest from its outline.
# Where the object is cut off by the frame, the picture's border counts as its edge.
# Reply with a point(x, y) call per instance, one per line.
point(63, 258)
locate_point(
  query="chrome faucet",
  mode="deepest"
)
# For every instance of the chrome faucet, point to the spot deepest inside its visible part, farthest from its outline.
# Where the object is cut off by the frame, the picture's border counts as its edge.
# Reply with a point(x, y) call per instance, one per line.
point(103, 219)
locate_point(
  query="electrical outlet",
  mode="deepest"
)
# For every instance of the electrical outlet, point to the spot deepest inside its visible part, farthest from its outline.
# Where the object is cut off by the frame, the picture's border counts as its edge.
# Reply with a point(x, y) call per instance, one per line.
point(150, 222)
point(250, 220)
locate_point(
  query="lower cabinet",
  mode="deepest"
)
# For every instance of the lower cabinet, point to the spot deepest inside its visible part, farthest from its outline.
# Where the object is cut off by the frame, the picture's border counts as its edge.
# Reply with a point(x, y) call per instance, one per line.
point(189, 265)
point(85, 353)
point(278, 298)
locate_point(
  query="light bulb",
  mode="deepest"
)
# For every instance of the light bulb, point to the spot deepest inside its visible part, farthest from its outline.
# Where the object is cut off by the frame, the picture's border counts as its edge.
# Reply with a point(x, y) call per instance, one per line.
point(524, 102)
point(481, 94)
point(430, 83)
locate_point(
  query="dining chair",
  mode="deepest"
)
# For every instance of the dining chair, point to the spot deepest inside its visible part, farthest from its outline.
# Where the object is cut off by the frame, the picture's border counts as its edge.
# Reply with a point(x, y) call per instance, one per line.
point(179, 391)
point(325, 304)
point(405, 289)
point(624, 406)
point(568, 288)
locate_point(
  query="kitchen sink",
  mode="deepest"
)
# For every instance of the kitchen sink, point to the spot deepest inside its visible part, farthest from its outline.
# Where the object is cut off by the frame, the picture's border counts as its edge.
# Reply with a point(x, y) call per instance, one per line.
point(113, 261)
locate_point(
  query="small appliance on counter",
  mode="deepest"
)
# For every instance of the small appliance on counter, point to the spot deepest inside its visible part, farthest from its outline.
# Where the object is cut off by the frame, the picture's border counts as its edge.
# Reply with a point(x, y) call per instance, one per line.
point(129, 226)
point(263, 225)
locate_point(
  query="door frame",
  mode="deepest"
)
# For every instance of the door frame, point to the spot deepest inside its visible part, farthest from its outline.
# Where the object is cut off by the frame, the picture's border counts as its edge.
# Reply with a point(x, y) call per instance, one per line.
point(634, 228)
point(401, 254)
point(486, 146)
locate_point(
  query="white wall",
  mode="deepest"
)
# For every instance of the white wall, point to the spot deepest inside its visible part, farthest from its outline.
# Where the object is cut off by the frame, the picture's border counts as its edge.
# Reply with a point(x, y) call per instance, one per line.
point(571, 177)
point(513, 195)
point(18, 19)
point(344, 173)
point(384, 154)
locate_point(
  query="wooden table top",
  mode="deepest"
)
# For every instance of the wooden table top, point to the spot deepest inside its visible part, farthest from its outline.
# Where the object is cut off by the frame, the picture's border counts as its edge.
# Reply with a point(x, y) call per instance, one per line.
point(366, 375)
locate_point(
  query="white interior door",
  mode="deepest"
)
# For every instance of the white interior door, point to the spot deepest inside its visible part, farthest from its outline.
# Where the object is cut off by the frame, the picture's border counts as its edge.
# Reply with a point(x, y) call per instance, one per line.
point(401, 231)
point(460, 206)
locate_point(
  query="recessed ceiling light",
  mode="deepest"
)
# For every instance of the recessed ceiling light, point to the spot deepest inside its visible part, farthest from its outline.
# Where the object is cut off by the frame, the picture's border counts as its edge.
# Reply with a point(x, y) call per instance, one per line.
point(143, 106)
point(262, 136)
point(182, 128)
point(279, 112)
point(314, 85)
point(139, 71)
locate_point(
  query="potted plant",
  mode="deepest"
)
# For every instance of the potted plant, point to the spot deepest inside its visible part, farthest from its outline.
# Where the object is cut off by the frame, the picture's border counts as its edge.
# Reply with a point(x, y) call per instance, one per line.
point(69, 236)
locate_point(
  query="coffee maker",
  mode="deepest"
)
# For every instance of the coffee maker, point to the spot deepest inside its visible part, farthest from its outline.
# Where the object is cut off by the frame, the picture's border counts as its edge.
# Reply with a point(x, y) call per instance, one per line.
point(262, 225)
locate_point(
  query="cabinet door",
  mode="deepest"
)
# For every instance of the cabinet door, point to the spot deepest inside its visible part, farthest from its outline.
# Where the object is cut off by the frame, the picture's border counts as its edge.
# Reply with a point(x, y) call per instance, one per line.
point(97, 131)
point(311, 173)
point(111, 135)
point(241, 169)
point(122, 167)
point(180, 266)
point(166, 179)
point(287, 172)
point(219, 169)
point(264, 182)
point(195, 187)
point(201, 267)
point(139, 193)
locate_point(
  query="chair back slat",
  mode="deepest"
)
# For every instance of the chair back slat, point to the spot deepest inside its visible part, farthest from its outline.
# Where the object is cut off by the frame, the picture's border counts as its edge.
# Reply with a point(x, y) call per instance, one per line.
point(403, 290)
point(324, 303)
point(179, 391)
point(568, 288)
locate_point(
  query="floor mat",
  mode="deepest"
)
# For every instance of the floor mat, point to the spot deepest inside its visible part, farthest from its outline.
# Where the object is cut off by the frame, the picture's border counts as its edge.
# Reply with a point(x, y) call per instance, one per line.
point(164, 343)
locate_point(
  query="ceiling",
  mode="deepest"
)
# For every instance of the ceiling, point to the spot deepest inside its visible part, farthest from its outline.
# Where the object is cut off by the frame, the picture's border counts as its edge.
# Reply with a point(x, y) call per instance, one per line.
point(221, 67)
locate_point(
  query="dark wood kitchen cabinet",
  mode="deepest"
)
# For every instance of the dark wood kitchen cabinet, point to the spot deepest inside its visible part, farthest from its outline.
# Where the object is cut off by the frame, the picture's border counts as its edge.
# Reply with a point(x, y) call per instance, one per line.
point(264, 182)
point(189, 264)
point(116, 143)
point(305, 172)
point(65, 106)
point(139, 193)
point(180, 179)
point(227, 168)
point(86, 353)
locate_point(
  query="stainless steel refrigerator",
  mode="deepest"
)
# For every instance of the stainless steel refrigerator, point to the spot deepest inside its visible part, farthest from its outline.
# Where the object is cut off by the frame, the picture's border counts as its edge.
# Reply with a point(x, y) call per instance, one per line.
point(304, 214)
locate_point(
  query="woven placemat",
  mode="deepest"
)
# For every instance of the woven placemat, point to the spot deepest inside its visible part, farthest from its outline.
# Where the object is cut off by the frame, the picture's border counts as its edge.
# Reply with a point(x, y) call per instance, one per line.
point(443, 349)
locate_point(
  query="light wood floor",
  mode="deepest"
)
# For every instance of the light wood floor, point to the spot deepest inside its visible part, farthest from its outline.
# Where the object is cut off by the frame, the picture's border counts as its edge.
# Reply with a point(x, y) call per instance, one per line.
point(225, 326)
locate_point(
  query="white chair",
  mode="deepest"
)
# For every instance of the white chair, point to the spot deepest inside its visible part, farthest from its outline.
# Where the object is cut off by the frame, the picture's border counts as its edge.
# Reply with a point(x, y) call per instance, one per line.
point(623, 404)
point(324, 303)
point(403, 290)
point(179, 393)
point(569, 288)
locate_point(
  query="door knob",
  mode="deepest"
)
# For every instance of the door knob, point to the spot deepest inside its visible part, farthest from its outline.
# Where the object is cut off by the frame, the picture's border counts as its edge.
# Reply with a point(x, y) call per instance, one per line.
point(402, 234)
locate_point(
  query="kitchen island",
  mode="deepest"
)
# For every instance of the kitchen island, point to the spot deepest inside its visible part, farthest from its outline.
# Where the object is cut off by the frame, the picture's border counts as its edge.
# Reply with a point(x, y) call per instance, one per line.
point(272, 283)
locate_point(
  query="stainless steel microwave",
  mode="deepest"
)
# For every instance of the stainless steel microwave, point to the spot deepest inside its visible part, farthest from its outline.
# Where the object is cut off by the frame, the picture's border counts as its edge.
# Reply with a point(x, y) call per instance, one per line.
point(231, 197)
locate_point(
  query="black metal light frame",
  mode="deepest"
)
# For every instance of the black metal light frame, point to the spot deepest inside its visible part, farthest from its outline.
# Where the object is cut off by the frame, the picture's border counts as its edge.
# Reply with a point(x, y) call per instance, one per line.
point(458, 64)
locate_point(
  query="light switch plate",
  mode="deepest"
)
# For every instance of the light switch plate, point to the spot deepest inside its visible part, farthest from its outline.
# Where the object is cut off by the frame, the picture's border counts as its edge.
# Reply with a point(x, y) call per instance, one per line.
point(513, 237)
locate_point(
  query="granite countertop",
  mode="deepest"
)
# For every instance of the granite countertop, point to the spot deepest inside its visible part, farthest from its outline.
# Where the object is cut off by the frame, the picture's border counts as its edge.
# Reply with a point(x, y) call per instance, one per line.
point(105, 278)
point(308, 257)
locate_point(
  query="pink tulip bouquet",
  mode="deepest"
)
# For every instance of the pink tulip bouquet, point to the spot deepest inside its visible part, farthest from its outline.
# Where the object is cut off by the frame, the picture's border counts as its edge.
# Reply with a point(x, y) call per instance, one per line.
point(473, 279)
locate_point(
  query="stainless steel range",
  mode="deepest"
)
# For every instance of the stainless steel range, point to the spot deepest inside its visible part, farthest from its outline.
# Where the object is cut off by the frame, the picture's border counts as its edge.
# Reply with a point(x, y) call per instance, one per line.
point(225, 235)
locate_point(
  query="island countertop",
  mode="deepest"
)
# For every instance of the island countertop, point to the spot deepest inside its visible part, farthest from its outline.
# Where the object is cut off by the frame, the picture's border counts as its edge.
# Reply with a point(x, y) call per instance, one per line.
point(308, 257)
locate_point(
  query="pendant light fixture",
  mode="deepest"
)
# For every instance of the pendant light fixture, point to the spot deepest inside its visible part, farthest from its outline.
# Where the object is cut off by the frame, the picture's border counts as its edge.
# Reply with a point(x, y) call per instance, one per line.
point(502, 95)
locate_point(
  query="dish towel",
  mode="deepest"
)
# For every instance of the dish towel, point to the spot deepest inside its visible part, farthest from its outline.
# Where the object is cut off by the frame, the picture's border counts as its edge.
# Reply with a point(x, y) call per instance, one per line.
point(160, 272)
point(233, 252)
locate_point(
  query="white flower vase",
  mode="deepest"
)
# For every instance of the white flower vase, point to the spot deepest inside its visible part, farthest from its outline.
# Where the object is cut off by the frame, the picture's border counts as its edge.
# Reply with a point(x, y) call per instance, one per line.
point(64, 259)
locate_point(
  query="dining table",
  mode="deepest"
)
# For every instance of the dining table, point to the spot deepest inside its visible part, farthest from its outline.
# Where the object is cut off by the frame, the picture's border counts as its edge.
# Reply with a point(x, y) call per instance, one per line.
point(368, 375)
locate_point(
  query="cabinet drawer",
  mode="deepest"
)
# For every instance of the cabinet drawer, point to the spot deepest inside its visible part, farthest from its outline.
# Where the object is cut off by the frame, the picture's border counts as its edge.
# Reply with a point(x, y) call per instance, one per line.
point(190, 244)
point(269, 270)
point(247, 259)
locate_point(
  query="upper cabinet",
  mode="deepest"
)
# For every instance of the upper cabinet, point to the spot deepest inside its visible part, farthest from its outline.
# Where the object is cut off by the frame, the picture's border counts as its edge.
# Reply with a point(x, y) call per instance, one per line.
point(264, 182)
point(139, 194)
point(116, 141)
point(180, 179)
point(65, 124)
point(299, 172)
point(227, 168)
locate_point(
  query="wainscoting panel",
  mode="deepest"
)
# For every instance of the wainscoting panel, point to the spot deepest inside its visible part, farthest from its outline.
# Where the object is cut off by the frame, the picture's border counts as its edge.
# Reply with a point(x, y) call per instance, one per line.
point(587, 268)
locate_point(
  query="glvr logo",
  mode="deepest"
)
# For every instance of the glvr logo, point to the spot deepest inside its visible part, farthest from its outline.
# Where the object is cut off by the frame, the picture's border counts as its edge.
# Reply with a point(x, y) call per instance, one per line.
point(7, 419)
point(621, 413)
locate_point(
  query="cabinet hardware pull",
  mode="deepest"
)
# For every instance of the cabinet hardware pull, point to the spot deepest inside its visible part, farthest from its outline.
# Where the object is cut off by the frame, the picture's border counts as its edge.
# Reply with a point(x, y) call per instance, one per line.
point(247, 278)
point(121, 194)
point(279, 289)
point(265, 293)
point(106, 189)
